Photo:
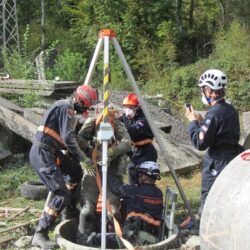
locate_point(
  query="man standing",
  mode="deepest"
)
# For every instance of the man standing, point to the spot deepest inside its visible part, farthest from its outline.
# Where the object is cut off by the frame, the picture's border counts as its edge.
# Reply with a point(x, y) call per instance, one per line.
point(55, 140)
point(140, 134)
point(218, 132)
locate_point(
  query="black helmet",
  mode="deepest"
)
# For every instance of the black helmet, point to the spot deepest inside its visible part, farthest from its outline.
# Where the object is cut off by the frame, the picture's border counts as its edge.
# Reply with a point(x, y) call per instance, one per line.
point(151, 169)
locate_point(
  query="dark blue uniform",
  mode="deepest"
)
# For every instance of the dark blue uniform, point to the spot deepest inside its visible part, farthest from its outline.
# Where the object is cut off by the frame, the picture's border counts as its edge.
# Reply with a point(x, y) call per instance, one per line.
point(59, 172)
point(221, 130)
point(144, 205)
point(142, 147)
point(143, 208)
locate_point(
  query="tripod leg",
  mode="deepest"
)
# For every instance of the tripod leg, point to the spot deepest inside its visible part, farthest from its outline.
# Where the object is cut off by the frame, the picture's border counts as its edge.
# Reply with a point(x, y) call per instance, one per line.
point(93, 61)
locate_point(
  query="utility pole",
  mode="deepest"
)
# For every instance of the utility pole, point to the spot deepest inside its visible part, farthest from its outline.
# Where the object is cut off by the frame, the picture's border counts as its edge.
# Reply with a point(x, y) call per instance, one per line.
point(9, 38)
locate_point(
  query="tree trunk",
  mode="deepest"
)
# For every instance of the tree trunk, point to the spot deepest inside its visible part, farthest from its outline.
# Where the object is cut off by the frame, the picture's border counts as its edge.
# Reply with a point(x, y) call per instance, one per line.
point(191, 10)
point(178, 14)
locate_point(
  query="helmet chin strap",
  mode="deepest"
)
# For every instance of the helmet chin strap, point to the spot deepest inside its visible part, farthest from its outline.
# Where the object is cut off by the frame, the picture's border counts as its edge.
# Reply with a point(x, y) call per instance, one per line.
point(206, 100)
point(209, 101)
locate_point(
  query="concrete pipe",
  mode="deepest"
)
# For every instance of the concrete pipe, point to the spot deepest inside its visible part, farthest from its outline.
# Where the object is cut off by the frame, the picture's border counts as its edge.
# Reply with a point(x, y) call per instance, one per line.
point(225, 221)
point(65, 234)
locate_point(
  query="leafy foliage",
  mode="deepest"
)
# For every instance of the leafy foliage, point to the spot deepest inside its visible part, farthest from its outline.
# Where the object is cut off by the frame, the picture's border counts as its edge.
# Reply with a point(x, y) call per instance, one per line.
point(167, 44)
point(68, 66)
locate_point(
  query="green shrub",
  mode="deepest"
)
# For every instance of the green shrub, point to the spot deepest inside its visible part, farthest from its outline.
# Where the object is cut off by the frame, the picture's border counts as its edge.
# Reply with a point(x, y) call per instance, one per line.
point(68, 66)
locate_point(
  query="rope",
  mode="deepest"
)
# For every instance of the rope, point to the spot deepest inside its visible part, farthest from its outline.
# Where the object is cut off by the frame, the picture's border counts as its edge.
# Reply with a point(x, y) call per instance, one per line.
point(117, 226)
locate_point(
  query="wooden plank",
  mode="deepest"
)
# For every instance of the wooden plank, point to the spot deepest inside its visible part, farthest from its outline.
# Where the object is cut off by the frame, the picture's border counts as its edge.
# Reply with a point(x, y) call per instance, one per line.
point(24, 91)
point(17, 124)
point(65, 85)
point(10, 105)
point(44, 88)
point(27, 85)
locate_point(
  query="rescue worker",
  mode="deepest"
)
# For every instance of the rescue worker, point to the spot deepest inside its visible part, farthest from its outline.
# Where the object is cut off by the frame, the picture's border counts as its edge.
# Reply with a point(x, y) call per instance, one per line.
point(140, 134)
point(54, 146)
point(117, 155)
point(144, 206)
point(218, 132)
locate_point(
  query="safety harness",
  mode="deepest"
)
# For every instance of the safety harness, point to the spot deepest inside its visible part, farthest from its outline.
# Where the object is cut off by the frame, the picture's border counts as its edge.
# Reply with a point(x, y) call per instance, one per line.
point(51, 132)
point(111, 118)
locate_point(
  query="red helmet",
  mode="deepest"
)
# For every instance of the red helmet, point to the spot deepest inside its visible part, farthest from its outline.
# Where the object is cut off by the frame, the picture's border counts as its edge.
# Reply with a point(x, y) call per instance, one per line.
point(131, 99)
point(87, 94)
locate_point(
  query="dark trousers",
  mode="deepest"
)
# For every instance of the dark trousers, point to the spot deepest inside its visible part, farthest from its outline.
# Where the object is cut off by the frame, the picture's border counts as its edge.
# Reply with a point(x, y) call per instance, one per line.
point(211, 170)
point(55, 179)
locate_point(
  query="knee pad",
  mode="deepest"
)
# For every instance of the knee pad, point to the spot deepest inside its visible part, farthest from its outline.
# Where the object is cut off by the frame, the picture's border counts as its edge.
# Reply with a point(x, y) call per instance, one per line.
point(87, 210)
point(86, 219)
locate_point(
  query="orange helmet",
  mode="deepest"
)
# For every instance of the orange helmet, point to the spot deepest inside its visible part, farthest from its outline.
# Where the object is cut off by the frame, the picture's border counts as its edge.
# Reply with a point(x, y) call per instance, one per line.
point(87, 94)
point(131, 99)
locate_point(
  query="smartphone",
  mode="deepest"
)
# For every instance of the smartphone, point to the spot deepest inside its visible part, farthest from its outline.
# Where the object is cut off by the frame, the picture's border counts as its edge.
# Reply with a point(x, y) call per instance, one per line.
point(188, 106)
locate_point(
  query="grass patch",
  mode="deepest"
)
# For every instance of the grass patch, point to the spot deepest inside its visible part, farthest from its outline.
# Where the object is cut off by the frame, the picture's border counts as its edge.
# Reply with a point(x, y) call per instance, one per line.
point(191, 185)
point(12, 176)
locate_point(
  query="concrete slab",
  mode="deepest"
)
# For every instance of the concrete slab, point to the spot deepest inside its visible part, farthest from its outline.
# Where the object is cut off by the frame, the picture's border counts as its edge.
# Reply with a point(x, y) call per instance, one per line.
point(245, 139)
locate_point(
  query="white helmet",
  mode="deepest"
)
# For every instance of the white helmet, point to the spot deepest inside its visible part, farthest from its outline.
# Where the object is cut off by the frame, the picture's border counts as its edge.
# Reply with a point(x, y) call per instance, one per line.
point(151, 169)
point(213, 78)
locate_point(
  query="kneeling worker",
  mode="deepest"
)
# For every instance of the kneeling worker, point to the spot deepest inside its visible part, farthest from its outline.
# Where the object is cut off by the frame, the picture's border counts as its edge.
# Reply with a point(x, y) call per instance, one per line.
point(144, 205)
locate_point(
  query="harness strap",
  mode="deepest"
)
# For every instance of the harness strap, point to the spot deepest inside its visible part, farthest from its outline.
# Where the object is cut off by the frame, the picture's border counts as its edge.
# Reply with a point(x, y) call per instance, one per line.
point(51, 132)
point(142, 142)
point(111, 117)
point(145, 217)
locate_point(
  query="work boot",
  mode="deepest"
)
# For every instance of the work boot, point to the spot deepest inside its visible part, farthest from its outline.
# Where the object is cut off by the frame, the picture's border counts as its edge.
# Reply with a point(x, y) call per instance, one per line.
point(71, 212)
point(42, 240)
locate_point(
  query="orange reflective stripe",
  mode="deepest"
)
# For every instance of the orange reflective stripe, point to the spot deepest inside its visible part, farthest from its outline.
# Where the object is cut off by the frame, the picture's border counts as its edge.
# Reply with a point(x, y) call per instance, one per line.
point(146, 218)
point(58, 161)
point(142, 142)
point(71, 186)
point(51, 211)
point(51, 132)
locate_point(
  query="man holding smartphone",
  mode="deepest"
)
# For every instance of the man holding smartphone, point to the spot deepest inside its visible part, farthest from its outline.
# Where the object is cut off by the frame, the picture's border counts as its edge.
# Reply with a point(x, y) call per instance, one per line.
point(218, 132)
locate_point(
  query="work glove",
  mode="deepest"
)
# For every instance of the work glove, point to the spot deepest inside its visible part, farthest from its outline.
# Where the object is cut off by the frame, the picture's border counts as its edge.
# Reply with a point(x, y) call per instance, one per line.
point(89, 167)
